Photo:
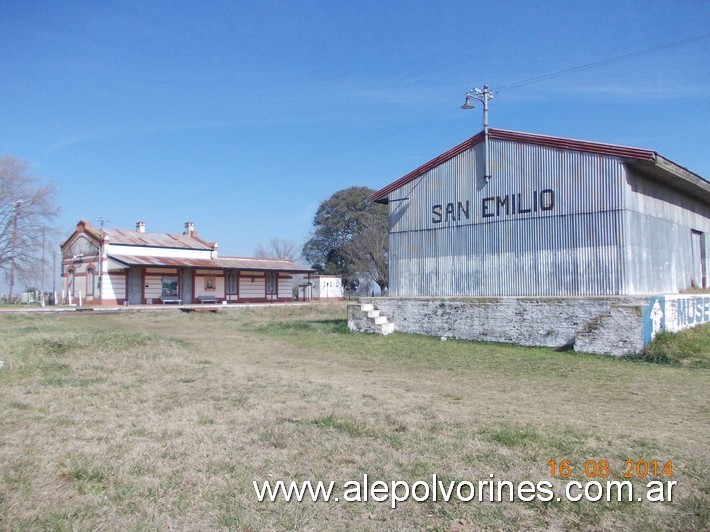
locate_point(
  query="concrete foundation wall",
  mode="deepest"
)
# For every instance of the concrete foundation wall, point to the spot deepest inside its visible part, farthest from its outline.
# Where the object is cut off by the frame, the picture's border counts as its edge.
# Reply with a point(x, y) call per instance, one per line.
point(604, 325)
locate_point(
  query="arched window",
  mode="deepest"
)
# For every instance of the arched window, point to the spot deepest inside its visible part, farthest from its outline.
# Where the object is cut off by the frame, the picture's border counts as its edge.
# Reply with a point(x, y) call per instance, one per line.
point(70, 284)
point(90, 282)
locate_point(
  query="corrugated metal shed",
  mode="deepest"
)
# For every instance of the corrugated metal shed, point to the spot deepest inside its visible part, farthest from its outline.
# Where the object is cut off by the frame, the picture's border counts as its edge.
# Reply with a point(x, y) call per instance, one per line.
point(559, 217)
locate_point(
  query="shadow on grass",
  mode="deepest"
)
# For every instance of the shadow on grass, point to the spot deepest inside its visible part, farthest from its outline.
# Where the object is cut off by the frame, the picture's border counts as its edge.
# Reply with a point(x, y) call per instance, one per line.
point(316, 326)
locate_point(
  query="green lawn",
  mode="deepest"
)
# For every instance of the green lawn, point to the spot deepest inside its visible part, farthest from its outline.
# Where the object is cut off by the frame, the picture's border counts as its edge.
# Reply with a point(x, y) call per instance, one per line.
point(163, 420)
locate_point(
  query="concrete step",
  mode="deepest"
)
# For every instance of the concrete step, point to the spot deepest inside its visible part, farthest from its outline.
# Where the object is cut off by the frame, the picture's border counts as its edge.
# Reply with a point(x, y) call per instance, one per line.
point(387, 328)
point(378, 323)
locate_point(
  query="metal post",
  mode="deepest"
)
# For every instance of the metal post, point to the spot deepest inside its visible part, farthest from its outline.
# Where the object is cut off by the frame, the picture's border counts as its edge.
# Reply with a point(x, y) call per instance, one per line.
point(41, 291)
point(15, 207)
point(486, 145)
point(482, 95)
point(102, 221)
point(54, 277)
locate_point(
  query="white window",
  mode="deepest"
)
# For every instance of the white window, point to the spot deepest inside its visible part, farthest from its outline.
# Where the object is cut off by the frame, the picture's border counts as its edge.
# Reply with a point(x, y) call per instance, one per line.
point(231, 283)
point(271, 285)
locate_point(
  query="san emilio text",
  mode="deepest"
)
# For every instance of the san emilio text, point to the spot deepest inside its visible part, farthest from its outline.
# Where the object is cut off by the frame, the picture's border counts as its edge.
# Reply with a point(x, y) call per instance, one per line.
point(494, 206)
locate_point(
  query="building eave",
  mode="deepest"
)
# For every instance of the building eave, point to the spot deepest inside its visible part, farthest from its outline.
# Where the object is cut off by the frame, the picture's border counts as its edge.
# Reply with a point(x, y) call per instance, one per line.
point(381, 196)
point(673, 175)
point(117, 247)
point(222, 263)
point(123, 237)
point(625, 152)
point(83, 227)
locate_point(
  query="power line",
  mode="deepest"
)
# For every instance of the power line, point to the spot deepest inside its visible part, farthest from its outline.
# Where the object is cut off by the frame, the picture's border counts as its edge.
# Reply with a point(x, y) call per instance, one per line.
point(408, 121)
point(601, 62)
point(391, 128)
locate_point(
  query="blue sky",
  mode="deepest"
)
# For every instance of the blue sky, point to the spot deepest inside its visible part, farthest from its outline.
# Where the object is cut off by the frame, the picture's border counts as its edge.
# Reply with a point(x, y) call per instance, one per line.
point(243, 116)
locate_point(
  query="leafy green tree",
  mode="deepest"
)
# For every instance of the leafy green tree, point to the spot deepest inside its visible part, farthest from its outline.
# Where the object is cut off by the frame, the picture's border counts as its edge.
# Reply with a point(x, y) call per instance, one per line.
point(340, 227)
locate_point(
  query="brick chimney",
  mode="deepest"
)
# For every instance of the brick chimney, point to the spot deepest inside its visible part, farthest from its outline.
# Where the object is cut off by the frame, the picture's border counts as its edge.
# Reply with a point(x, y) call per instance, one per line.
point(189, 229)
point(140, 227)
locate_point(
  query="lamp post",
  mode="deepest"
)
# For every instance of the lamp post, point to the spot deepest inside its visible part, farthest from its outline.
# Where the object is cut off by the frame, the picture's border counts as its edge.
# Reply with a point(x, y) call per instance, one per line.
point(482, 95)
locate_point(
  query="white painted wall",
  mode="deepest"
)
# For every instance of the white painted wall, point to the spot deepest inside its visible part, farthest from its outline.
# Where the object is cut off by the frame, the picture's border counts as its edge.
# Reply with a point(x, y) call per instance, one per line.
point(327, 287)
point(200, 289)
point(252, 285)
point(141, 251)
point(285, 288)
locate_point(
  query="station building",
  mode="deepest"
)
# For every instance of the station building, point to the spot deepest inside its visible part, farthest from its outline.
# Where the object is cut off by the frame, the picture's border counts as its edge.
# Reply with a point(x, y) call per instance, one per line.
point(135, 267)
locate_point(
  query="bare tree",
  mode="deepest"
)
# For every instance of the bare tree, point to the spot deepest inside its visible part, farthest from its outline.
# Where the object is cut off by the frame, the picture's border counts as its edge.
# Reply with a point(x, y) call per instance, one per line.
point(26, 209)
point(368, 252)
point(279, 248)
point(260, 252)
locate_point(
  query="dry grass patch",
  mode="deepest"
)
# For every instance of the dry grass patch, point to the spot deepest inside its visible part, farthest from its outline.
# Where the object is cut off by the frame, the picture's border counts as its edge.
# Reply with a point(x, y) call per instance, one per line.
point(163, 420)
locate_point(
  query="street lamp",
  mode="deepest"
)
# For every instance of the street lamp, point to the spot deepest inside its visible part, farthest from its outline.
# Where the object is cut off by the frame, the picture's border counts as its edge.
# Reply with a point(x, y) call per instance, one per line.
point(482, 95)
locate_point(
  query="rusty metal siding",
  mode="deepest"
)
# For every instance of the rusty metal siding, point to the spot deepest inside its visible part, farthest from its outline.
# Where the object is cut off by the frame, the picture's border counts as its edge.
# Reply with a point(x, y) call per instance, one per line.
point(571, 249)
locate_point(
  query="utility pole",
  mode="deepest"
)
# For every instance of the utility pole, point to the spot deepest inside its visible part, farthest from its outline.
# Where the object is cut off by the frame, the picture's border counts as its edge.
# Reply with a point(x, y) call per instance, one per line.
point(102, 221)
point(482, 95)
point(41, 288)
point(54, 278)
point(13, 244)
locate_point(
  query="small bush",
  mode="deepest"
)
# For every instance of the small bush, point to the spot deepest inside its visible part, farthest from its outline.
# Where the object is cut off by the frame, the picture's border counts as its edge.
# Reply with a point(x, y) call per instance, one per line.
point(515, 436)
point(319, 326)
point(657, 351)
point(689, 348)
point(351, 427)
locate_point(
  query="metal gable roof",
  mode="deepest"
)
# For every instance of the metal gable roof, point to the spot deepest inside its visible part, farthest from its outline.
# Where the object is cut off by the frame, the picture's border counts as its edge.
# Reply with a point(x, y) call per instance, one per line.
point(222, 263)
point(516, 136)
point(125, 237)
